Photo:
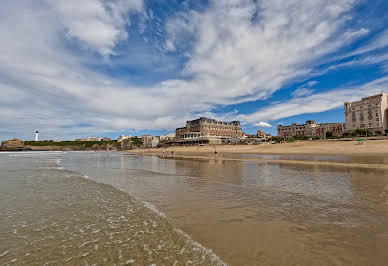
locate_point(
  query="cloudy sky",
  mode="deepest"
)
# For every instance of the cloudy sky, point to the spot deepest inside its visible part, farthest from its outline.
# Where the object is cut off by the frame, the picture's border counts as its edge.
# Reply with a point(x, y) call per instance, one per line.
point(110, 67)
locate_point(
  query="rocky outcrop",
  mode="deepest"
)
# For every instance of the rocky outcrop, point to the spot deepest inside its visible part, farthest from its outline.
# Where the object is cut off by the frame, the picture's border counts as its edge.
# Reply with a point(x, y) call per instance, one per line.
point(126, 144)
point(12, 145)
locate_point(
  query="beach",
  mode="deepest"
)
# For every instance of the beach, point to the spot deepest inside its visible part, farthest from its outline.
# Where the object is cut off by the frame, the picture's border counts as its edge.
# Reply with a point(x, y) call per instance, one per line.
point(86, 207)
point(369, 154)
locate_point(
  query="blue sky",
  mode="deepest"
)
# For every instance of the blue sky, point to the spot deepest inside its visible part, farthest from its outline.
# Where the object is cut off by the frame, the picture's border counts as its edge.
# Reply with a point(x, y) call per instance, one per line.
point(97, 67)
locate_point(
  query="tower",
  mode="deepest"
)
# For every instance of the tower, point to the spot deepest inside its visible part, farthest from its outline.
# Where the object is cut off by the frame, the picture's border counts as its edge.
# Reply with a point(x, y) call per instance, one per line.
point(36, 135)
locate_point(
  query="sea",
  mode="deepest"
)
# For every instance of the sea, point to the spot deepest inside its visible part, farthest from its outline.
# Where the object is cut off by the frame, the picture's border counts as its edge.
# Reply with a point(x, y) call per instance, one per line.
point(118, 208)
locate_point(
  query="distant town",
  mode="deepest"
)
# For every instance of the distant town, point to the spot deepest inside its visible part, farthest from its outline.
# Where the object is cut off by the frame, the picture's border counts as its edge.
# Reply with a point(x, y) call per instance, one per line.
point(366, 117)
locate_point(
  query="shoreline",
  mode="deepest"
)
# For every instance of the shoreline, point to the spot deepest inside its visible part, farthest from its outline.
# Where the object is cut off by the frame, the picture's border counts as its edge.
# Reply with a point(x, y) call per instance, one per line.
point(376, 153)
point(276, 161)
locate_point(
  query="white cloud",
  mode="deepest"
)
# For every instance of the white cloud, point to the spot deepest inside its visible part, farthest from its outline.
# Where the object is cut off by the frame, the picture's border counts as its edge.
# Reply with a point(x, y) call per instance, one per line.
point(263, 124)
point(96, 23)
point(356, 33)
point(315, 103)
point(305, 89)
point(234, 57)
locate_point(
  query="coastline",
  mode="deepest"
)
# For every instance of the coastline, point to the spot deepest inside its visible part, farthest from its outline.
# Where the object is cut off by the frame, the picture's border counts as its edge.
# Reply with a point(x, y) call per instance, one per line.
point(375, 151)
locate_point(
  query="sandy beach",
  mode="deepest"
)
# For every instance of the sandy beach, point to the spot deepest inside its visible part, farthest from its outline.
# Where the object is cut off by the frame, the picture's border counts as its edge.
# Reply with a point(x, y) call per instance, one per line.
point(370, 148)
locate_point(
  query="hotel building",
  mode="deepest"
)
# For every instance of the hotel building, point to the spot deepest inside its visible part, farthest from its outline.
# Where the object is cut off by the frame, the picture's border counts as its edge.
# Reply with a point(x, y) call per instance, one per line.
point(206, 130)
point(311, 129)
point(368, 113)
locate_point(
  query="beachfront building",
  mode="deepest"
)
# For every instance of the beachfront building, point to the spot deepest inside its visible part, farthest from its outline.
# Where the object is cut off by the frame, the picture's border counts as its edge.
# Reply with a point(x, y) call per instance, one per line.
point(262, 135)
point(206, 130)
point(311, 129)
point(123, 137)
point(368, 113)
point(155, 141)
point(146, 141)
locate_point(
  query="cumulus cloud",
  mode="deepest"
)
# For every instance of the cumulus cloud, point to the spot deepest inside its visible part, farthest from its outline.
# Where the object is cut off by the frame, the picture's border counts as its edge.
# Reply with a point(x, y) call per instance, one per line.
point(263, 124)
point(96, 23)
point(237, 51)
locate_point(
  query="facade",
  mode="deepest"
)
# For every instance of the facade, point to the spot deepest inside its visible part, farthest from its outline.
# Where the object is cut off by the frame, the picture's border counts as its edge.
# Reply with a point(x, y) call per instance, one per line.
point(168, 137)
point(155, 141)
point(311, 129)
point(206, 130)
point(368, 113)
point(147, 141)
point(123, 137)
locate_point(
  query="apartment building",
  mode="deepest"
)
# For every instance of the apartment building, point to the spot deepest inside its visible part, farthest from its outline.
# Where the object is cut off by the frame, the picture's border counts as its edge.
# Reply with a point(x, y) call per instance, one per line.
point(368, 113)
point(311, 129)
point(146, 141)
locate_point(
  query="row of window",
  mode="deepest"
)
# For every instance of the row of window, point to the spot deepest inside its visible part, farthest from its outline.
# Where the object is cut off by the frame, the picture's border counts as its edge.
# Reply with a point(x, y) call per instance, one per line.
point(362, 106)
point(185, 136)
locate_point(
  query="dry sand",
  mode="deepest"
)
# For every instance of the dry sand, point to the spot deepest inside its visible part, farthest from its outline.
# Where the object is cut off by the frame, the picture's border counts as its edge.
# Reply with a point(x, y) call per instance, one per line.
point(370, 148)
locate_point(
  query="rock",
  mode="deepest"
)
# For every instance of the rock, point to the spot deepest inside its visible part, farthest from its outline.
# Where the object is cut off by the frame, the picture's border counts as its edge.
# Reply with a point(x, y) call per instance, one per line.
point(126, 144)
point(12, 145)
point(95, 147)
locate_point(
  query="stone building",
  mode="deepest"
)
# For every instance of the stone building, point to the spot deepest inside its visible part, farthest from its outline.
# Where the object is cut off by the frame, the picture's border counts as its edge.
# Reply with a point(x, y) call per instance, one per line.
point(311, 129)
point(368, 113)
point(206, 130)
point(146, 141)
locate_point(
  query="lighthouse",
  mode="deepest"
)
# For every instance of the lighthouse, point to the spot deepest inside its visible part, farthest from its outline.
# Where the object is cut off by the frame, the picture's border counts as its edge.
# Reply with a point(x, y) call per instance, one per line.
point(37, 136)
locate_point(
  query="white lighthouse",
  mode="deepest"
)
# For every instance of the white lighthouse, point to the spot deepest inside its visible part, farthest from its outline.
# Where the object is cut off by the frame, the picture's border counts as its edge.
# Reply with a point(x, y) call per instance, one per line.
point(37, 136)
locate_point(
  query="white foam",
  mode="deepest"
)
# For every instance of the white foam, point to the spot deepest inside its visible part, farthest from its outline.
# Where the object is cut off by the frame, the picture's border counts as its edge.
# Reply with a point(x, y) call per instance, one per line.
point(198, 246)
point(4, 253)
point(154, 209)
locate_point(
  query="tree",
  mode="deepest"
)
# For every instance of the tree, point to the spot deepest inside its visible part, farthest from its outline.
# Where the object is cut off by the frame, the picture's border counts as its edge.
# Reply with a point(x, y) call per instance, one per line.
point(329, 134)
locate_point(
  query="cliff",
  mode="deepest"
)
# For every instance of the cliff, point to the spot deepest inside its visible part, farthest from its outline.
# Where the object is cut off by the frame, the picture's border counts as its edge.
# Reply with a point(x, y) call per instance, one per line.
point(12, 145)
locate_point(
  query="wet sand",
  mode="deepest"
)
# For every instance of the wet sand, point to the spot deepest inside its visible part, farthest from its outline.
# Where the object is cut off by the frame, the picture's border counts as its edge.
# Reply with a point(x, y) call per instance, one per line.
point(50, 216)
point(259, 214)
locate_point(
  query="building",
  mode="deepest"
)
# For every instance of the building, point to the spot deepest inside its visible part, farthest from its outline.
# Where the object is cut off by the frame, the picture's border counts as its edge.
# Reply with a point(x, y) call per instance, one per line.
point(311, 129)
point(106, 139)
point(368, 113)
point(206, 130)
point(93, 139)
point(168, 137)
point(146, 141)
point(262, 135)
point(155, 141)
point(36, 135)
point(123, 137)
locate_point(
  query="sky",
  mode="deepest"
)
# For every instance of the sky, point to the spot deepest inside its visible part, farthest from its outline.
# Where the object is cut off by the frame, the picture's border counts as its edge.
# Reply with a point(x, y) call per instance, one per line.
point(110, 67)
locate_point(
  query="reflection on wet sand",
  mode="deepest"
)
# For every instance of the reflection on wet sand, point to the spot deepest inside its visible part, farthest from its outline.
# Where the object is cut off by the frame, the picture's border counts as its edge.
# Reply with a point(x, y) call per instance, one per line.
point(260, 214)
